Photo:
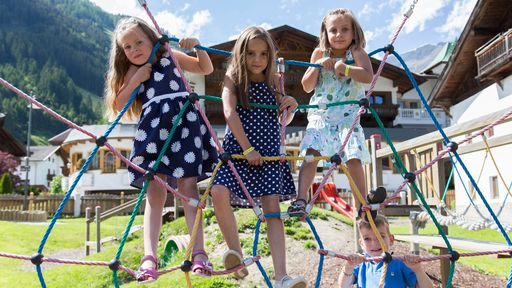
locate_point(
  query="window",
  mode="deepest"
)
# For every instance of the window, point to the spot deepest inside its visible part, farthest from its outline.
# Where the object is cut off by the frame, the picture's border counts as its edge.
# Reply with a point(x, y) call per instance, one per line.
point(413, 105)
point(126, 154)
point(95, 162)
point(376, 99)
point(494, 190)
point(109, 164)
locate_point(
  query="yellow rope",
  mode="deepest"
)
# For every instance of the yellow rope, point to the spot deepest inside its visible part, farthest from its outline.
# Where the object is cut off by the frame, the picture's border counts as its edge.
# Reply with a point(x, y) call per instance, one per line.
point(383, 277)
point(496, 165)
point(277, 158)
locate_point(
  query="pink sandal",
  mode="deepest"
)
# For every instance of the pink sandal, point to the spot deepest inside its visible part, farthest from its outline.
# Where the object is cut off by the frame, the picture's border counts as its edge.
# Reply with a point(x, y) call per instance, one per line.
point(147, 275)
point(201, 268)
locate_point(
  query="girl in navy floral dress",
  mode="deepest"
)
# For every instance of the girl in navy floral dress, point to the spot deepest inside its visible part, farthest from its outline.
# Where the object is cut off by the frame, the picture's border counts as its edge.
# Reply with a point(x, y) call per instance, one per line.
point(254, 132)
point(191, 152)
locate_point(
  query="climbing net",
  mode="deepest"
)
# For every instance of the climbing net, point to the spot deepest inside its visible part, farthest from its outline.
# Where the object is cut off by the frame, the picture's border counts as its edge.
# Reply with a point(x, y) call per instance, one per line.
point(226, 159)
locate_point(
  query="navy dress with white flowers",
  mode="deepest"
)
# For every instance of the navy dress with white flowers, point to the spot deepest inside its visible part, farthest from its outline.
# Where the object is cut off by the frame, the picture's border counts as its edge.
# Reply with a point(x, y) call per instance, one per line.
point(192, 151)
point(261, 126)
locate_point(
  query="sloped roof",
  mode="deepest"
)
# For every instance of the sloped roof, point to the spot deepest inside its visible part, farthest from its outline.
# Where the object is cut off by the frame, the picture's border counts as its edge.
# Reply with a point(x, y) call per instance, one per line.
point(457, 81)
point(442, 57)
point(41, 153)
point(122, 130)
point(9, 143)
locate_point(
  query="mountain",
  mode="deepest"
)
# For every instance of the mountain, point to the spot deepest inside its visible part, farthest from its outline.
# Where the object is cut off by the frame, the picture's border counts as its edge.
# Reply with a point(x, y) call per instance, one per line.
point(420, 58)
point(57, 50)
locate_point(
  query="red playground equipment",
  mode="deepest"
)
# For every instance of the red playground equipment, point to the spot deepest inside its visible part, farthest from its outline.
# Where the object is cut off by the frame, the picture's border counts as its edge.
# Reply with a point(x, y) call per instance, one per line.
point(330, 195)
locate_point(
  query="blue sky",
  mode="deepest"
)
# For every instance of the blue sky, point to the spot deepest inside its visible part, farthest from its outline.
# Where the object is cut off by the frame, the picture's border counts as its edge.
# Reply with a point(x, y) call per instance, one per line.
point(215, 22)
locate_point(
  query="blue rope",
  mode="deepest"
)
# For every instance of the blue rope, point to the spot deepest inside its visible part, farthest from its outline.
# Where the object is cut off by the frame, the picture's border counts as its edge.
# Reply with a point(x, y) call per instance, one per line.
point(255, 252)
point(82, 171)
point(447, 140)
point(320, 246)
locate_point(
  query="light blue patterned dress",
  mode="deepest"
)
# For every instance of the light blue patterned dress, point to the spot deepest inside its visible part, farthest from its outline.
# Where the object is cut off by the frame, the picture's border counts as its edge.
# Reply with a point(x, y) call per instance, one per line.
point(327, 128)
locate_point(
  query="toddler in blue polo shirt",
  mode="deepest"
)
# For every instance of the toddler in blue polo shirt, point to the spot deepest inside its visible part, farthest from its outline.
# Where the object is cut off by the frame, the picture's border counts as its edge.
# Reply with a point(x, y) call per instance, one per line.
point(408, 273)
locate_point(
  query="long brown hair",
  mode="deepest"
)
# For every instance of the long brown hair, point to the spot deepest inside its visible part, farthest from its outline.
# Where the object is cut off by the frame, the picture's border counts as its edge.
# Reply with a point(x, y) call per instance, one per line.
point(237, 68)
point(119, 64)
point(357, 43)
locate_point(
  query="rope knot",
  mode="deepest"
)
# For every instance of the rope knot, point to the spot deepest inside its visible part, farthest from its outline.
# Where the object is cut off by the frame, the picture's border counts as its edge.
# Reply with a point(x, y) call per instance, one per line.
point(193, 97)
point(454, 255)
point(163, 39)
point(37, 258)
point(225, 157)
point(114, 264)
point(386, 257)
point(101, 141)
point(452, 146)
point(363, 102)
point(149, 175)
point(186, 266)
point(336, 159)
point(411, 177)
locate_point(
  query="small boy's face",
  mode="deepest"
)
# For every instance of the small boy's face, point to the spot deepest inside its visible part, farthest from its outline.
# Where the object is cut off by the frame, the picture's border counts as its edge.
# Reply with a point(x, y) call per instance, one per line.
point(370, 243)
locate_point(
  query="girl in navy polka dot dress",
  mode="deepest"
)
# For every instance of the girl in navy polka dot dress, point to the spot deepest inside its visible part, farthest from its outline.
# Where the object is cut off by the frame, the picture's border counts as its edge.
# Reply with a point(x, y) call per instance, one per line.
point(161, 97)
point(254, 132)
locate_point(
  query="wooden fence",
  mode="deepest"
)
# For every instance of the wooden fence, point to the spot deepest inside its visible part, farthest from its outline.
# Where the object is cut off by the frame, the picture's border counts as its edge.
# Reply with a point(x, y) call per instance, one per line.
point(109, 201)
point(42, 202)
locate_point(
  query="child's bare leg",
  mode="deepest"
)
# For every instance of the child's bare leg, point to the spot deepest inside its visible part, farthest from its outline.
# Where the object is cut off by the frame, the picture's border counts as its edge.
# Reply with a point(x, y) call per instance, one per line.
point(275, 235)
point(188, 187)
point(355, 168)
point(225, 217)
point(307, 174)
point(155, 200)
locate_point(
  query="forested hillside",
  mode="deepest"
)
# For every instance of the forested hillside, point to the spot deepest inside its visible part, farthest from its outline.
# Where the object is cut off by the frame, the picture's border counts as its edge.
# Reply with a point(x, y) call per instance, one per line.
point(57, 50)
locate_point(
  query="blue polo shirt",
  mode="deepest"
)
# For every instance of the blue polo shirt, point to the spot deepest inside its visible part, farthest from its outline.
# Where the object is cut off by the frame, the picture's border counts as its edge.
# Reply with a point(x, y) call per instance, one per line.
point(368, 274)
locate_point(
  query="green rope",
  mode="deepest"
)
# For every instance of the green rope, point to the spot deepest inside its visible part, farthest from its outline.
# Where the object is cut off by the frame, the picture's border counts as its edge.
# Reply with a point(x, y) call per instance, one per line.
point(300, 107)
point(144, 188)
point(416, 191)
point(447, 184)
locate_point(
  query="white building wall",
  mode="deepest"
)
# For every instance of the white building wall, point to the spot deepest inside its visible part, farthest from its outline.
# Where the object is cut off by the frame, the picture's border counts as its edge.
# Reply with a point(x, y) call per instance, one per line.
point(489, 100)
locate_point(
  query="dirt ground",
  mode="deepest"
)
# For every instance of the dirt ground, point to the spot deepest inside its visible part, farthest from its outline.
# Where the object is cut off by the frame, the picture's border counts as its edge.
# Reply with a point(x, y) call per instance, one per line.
point(339, 237)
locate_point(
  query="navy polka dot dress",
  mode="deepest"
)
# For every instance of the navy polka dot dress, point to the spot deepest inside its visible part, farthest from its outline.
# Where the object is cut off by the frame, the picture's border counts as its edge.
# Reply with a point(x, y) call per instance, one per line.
point(192, 151)
point(262, 129)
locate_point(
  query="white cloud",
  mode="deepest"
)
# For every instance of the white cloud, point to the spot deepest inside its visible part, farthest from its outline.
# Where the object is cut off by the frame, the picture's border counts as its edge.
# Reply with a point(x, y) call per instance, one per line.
point(185, 7)
point(181, 26)
point(288, 4)
point(126, 7)
point(423, 12)
point(263, 25)
point(457, 19)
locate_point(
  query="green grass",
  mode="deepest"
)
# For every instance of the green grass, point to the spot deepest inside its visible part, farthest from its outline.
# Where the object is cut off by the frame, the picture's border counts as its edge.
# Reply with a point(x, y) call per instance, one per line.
point(485, 264)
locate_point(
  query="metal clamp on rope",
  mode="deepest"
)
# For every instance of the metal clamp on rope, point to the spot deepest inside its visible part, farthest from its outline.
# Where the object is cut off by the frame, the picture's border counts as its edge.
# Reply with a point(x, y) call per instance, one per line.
point(282, 150)
point(330, 253)
point(280, 65)
point(142, 2)
point(309, 158)
point(163, 39)
point(373, 207)
point(308, 208)
point(193, 202)
point(322, 106)
point(411, 9)
point(248, 261)
point(258, 212)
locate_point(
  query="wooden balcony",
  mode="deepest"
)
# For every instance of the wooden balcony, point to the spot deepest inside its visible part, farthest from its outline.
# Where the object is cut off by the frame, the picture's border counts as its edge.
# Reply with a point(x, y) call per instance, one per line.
point(493, 58)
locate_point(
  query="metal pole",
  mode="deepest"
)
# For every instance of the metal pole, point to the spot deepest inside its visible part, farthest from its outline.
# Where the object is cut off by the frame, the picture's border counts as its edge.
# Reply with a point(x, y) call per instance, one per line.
point(27, 167)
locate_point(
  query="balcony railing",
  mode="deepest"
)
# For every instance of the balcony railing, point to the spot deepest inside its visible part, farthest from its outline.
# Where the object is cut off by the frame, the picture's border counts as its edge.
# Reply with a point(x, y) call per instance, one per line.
point(495, 52)
point(410, 116)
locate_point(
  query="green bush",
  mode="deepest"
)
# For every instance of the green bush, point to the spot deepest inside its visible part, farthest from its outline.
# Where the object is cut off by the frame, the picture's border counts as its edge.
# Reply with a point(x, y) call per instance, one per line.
point(6, 186)
point(56, 185)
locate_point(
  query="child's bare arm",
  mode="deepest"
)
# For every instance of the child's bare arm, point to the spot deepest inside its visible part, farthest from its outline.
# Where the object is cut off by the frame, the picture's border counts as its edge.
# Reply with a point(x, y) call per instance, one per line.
point(413, 262)
point(362, 71)
point(201, 64)
point(347, 277)
point(132, 79)
point(310, 78)
point(285, 102)
point(229, 102)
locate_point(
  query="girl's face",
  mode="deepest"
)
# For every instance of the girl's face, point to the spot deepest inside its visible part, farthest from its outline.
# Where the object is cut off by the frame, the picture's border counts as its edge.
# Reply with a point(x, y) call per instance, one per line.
point(339, 31)
point(136, 46)
point(369, 242)
point(256, 59)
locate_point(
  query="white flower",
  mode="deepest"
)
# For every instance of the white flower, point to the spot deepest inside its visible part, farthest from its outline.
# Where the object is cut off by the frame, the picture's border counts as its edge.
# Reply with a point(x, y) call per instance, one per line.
point(200, 169)
point(205, 155)
point(140, 135)
point(190, 157)
point(164, 133)
point(151, 164)
point(174, 85)
point(158, 76)
point(166, 108)
point(165, 160)
point(137, 160)
point(150, 93)
point(131, 176)
point(165, 62)
point(176, 146)
point(191, 116)
point(151, 148)
point(184, 133)
point(176, 72)
point(146, 112)
point(203, 129)
point(212, 142)
point(197, 141)
point(178, 172)
point(155, 122)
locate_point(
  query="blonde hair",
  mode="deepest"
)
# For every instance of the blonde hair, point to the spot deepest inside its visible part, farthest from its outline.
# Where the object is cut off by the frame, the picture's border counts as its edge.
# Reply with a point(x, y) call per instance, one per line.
point(357, 43)
point(119, 64)
point(380, 221)
point(237, 69)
